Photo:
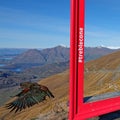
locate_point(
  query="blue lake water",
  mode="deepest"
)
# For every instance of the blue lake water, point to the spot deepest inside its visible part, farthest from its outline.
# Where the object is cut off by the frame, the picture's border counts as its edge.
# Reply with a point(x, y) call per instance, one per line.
point(16, 70)
point(13, 70)
point(10, 69)
point(8, 58)
point(1, 65)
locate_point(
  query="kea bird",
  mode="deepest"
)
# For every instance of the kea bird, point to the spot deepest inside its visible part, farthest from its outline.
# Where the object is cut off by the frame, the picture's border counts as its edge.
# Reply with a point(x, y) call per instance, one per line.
point(31, 94)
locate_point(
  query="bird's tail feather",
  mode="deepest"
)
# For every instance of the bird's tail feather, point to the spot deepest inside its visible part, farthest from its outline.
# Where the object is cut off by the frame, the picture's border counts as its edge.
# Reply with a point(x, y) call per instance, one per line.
point(49, 94)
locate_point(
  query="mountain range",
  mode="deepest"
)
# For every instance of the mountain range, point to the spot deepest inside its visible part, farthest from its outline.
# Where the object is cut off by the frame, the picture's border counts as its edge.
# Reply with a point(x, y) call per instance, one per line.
point(40, 57)
point(23, 55)
point(45, 56)
point(92, 53)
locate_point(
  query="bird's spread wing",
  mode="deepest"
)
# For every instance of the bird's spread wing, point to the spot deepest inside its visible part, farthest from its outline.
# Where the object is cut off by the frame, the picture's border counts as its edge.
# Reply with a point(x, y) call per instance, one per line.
point(27, 99)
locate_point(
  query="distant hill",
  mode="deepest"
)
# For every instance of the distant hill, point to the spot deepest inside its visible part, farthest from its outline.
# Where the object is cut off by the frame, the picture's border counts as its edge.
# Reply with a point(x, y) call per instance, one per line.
point(41, 57)
point(58, 54)
point(108, 62)
point(102, 75)
point(30, 56)
point(92, 53)
point(47, 70)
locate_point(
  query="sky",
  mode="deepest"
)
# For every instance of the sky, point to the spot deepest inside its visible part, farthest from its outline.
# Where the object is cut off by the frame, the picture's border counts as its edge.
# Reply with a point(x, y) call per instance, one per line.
point(34, 23)
point(46, 23)
point(102, 23)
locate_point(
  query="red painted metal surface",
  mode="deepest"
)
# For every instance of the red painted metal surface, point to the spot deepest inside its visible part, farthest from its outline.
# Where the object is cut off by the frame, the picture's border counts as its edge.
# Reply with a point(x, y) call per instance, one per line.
point(78, 109)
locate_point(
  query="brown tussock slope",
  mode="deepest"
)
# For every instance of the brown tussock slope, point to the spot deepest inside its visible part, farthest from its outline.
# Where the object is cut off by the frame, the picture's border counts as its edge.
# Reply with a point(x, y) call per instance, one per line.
point(108, 62)
point(102, 75)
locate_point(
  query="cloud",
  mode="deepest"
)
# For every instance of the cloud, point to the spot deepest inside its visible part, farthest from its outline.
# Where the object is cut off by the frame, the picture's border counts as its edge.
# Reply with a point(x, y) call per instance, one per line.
point(113, 47)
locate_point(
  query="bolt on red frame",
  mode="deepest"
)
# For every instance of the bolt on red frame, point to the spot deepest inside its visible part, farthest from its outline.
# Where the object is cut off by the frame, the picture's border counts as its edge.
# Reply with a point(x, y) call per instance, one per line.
point(78, 109)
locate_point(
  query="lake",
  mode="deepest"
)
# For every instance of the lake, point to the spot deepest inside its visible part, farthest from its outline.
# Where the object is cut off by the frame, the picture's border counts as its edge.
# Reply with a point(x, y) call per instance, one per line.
point(1, 65)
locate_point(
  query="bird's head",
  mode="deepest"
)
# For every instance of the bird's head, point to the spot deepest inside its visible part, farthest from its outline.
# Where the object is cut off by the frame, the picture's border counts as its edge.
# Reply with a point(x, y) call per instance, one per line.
point(34, 86)
point(25, 85)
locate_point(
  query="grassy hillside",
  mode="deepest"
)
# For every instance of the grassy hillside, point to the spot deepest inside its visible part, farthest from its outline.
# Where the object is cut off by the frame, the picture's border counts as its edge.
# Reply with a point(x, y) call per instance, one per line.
point(102, 75)
point(51, 109)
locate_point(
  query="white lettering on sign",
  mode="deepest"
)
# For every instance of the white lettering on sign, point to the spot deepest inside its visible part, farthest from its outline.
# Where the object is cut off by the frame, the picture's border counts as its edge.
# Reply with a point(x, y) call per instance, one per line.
point(80, 45)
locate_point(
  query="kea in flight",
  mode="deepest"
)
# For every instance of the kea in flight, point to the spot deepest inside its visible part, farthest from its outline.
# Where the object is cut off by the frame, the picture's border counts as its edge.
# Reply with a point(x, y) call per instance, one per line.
point(31, 94)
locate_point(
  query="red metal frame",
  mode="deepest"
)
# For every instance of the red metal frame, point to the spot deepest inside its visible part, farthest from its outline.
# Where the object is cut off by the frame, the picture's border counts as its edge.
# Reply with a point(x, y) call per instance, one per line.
point(78, 109)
